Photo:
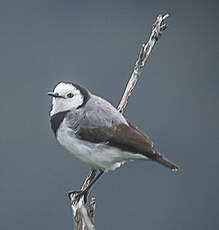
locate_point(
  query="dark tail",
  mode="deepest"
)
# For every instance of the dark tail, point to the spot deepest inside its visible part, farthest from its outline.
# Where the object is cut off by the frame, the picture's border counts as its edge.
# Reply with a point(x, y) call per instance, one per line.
point(165, 162)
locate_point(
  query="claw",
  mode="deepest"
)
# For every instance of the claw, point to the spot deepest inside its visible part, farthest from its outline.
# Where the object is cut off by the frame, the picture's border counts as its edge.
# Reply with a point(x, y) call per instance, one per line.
point(78, 195)
point(71, 193)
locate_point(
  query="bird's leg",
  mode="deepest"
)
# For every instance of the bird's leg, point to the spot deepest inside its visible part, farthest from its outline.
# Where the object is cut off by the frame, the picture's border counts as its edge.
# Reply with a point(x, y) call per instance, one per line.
point(85, 191)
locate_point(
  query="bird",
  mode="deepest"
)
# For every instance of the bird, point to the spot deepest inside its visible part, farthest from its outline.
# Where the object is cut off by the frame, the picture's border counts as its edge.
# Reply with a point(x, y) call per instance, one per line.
point(96, 133)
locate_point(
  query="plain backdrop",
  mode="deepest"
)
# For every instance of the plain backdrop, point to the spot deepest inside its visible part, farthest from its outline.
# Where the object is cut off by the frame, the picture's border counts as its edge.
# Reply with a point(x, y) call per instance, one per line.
point(95, 44)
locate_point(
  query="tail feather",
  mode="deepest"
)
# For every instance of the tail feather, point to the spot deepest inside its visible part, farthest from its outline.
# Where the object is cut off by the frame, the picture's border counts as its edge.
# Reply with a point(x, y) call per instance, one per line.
point(165, 162)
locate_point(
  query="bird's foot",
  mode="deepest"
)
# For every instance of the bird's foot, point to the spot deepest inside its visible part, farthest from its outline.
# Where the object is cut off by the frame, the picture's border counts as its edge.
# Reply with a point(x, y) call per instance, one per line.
point(78, 195)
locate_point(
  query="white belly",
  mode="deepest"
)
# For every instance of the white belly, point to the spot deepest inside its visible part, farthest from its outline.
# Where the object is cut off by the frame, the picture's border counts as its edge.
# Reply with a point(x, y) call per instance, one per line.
point(94, 155)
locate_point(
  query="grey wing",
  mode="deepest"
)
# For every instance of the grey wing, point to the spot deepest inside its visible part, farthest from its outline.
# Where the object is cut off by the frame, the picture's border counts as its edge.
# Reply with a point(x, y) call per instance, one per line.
point(95, 128)
point(98, 121)
point(101, 122)
point(100, 126)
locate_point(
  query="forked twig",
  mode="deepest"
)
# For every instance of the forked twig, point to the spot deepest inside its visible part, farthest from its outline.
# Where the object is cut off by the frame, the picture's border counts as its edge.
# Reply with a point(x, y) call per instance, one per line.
point(157, 30)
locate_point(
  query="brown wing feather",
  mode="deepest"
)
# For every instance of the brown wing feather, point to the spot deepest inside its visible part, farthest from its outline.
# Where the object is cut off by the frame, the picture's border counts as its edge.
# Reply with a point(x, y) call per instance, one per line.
point(129, 138)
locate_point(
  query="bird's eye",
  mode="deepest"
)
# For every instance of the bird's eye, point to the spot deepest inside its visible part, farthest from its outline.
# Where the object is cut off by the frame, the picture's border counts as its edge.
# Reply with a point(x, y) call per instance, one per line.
point(70, 95)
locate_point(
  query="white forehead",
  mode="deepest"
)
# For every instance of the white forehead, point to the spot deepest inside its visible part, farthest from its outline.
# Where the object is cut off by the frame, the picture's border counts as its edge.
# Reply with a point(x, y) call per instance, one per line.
point(64, 88)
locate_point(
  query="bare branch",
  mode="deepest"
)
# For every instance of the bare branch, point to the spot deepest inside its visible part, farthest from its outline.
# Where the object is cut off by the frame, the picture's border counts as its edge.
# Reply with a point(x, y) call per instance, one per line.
point(157, 30)
point(84, 218)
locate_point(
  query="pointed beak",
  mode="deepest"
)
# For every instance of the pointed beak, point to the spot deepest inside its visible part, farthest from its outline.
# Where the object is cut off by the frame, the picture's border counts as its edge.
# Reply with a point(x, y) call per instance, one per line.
point(55, 95)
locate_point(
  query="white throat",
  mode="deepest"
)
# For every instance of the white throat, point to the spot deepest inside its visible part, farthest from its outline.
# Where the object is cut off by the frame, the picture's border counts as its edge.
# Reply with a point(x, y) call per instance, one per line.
point(65, 103)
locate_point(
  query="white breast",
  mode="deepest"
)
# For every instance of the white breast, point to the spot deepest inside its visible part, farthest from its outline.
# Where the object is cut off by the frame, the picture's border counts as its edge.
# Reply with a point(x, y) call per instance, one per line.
point(98, 156)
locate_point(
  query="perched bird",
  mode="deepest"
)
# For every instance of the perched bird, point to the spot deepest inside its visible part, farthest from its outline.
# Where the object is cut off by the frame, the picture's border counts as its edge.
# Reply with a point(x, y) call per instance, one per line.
point(96, 133)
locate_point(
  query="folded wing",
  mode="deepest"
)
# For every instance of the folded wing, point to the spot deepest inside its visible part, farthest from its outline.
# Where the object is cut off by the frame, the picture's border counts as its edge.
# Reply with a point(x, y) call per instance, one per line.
point(108, 126)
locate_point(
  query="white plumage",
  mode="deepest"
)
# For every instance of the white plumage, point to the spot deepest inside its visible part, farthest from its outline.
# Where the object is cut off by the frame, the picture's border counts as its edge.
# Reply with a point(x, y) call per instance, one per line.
point(95, 155)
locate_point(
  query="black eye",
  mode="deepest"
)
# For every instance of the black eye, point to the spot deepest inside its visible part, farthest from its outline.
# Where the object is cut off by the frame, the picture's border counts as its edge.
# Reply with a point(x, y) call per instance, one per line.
point(70, 95)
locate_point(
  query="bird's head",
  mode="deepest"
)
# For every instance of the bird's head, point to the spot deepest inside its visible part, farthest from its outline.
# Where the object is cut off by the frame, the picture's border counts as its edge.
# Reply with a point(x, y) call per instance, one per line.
point(66, 96)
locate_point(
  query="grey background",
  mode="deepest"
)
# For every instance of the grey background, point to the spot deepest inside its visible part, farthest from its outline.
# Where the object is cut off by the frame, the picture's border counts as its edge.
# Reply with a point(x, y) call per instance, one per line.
point(95, 44)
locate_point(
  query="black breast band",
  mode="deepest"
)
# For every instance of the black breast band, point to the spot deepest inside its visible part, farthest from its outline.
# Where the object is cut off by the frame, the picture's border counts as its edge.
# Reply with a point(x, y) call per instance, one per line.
point(56, 120)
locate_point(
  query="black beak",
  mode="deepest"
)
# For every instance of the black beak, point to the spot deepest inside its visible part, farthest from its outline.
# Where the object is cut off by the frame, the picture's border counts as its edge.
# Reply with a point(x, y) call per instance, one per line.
point(55, 95)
